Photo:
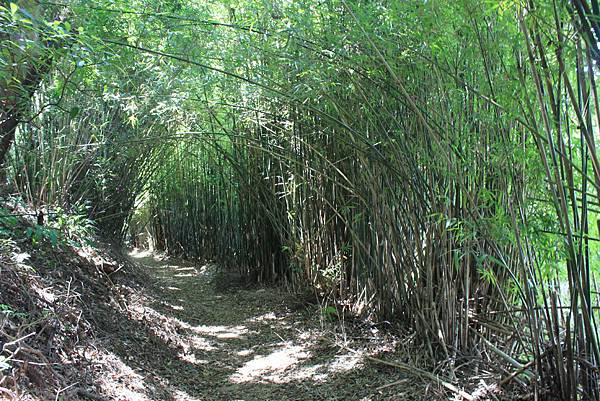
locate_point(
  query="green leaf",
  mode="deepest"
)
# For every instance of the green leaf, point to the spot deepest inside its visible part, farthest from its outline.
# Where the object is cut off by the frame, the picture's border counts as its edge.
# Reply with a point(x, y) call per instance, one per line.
point(52, 234)
point(74, 112)
point(14, 8)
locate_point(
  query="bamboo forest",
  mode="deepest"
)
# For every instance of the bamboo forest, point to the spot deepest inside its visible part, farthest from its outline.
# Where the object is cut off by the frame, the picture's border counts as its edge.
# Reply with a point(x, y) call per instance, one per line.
point(299, 200)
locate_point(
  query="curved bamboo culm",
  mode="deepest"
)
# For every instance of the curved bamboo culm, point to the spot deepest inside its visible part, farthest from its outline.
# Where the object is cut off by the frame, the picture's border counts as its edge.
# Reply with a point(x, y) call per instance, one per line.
point(439, 170)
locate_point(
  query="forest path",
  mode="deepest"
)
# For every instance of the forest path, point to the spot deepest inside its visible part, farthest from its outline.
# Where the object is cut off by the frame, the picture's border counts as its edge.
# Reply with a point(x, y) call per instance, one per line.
point(193, 334)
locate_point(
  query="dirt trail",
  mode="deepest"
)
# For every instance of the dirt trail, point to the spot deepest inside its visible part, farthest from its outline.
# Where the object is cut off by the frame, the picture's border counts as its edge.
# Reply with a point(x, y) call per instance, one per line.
point(193, 335)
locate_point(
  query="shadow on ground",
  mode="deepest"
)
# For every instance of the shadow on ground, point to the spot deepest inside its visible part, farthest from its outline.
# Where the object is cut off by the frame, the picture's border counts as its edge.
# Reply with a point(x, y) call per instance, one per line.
point(182, 339)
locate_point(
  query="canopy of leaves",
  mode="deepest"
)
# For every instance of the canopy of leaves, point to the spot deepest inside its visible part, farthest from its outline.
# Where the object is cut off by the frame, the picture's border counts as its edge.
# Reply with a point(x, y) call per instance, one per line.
point(431, 162)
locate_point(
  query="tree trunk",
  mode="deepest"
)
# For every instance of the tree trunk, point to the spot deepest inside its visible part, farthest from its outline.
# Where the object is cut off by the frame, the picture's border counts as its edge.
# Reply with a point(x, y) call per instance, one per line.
point(15, 106)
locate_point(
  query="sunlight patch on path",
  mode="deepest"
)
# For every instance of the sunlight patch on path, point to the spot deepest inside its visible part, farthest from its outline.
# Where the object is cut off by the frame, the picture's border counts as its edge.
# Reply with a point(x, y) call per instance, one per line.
point(288, 363)
point(273, 366)
point(142, 254)
point(265, 317)
point(222, 332)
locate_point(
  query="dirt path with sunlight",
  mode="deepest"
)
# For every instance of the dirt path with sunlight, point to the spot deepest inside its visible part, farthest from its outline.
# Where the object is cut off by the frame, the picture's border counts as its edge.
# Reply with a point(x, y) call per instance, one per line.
point(192, 334)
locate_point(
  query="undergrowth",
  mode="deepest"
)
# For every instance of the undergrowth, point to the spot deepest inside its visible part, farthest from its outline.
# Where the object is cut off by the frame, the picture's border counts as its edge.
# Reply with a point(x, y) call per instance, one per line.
point(52, 279)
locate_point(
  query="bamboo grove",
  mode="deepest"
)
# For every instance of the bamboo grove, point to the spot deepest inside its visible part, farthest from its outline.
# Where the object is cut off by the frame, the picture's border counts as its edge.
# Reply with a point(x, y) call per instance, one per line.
point(431, 163)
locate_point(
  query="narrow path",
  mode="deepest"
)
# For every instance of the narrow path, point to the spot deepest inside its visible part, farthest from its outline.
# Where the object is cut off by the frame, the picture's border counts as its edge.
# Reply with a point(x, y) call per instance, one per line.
point(192, 334)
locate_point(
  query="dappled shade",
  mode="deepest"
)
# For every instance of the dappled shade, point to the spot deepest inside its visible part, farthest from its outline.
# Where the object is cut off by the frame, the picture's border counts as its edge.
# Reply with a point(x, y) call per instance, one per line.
point(424, 167)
